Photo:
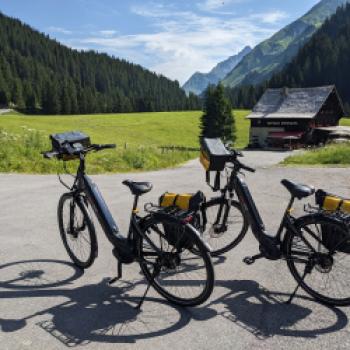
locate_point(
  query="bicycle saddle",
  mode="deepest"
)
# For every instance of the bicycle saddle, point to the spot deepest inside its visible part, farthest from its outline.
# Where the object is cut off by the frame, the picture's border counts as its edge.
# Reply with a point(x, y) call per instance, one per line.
point(298, 190)
point(138, 188)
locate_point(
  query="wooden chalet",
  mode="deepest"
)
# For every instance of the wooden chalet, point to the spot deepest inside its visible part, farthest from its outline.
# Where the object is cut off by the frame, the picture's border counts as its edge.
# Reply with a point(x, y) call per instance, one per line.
point(287, 117)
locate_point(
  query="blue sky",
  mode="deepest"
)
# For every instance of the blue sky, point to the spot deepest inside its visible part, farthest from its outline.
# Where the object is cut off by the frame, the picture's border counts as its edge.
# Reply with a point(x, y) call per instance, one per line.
point(172, 37)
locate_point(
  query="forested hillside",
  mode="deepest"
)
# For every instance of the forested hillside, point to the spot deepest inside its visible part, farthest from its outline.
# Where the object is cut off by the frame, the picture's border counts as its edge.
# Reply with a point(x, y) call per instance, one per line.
point(272, 55)
point(324, 60)
point(39, 74)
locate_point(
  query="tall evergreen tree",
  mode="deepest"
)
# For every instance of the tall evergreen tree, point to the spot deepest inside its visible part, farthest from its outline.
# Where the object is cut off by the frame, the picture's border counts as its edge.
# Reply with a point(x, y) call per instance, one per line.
point(217, 119)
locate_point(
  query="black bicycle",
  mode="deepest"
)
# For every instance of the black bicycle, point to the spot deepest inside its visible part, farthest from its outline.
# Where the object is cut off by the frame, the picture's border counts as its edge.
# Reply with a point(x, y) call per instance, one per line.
point(222, 221)
point(160, 242)
point(319, 265)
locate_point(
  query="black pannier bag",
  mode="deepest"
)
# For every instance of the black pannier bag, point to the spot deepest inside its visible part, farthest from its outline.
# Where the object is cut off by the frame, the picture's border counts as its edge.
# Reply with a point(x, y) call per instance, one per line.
point(61, 143)
point(331, 237)
point(183, 204)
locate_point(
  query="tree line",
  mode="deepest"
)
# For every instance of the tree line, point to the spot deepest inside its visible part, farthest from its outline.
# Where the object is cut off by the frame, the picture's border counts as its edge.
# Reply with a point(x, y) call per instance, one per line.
point(38, 74)
point(324, 60)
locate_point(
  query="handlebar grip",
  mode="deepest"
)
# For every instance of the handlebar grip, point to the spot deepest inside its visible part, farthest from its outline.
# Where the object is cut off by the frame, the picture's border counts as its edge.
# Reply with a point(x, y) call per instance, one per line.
point(106, 146)
point(109, 145)
point(247, 168)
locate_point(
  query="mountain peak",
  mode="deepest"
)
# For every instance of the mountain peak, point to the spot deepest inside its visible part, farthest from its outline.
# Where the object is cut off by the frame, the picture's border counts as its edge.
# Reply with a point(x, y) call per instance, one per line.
point(200, 81)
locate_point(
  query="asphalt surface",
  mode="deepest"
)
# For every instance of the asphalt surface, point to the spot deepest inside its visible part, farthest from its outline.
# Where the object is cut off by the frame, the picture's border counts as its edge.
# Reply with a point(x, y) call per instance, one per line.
point(46, 304)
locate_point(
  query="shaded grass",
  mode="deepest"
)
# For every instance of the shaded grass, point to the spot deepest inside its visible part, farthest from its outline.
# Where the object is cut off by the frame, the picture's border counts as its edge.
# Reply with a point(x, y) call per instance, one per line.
point(138, 136)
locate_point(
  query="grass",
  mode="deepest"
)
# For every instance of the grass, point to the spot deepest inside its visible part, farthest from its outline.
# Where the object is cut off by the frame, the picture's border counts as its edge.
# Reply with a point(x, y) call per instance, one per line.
point(138, 136)
point(333, 154)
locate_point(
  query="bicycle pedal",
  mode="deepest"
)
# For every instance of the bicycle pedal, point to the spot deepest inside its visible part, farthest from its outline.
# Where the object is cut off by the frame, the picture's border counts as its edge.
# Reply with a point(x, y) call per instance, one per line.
point(249, 260)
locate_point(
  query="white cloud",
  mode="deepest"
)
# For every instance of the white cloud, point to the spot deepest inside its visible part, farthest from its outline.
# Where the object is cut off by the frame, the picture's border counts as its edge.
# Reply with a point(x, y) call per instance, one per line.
point(271, 17)
point(59, 30)
point(107, 33)
point(210, 5)
point(182, 42)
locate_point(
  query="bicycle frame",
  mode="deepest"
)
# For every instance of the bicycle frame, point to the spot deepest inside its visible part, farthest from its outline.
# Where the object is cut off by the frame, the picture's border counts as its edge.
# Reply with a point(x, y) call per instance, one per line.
point(124, 246)
point(270, 246)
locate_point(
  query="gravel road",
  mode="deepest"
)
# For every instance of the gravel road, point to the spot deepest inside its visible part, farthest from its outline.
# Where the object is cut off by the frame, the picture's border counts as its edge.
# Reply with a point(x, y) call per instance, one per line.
point(47, 304)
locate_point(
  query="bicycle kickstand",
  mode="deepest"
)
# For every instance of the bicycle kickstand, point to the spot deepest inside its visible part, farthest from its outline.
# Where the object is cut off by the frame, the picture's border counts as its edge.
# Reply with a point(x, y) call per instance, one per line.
point(119, 276)
point(292, 296)
point(154, 275)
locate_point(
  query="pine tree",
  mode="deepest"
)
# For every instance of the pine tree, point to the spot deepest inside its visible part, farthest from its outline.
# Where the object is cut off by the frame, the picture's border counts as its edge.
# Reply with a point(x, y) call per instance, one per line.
point(217, 119)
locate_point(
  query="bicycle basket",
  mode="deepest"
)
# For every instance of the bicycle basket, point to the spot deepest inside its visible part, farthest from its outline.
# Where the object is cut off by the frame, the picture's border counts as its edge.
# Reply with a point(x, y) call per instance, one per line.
point(73, 139)
point(214, 154)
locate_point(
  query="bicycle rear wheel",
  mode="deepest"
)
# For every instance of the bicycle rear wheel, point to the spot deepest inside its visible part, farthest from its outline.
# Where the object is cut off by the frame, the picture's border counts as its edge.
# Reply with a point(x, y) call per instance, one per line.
point(181, 276)
point(226, 225)
point(324, 262)
point(77, 230)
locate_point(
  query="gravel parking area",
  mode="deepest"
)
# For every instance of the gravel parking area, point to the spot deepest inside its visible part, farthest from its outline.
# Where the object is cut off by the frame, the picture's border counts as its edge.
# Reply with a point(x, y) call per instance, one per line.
point(46, 304)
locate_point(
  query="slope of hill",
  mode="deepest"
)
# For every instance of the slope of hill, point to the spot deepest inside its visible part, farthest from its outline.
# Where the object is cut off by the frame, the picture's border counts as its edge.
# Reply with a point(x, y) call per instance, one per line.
point(200, 81)
point(324, 60)
point(273, 54)
point(40, 74)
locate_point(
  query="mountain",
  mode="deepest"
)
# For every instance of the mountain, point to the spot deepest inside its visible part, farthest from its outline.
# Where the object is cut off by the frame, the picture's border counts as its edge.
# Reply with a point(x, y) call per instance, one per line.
point(324, 60)
point(41, 75)
point(199, 81)
point(273, 54)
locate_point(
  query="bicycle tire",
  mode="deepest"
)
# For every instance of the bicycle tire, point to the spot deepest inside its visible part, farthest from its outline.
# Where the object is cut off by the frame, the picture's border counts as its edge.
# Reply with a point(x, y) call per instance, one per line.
point(154, 229)
point(325, 263)
point(86, 223)
point(209, 229)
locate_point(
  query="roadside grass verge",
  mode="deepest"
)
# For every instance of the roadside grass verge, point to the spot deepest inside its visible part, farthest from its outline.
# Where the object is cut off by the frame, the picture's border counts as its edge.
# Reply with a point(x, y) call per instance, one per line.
point(139, 137)
point(334, 154)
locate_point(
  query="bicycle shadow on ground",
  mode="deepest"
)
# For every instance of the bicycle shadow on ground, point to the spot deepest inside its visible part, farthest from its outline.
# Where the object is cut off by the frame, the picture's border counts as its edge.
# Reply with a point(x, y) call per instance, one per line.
point(265, 314)
point(92, 313)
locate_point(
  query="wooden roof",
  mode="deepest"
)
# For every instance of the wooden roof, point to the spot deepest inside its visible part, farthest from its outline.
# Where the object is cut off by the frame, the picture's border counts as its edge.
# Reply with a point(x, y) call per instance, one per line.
point(296, 103)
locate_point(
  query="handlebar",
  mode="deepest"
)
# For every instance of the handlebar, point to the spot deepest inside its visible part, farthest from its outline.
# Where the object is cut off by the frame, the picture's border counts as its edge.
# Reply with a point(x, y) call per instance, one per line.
point(74, 151)
point(237, 164)
point(247, 168)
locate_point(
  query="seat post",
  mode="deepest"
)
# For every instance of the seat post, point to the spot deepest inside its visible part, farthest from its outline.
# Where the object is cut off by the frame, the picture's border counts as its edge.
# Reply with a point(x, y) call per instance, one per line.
point(287, 212)
point(136, 200)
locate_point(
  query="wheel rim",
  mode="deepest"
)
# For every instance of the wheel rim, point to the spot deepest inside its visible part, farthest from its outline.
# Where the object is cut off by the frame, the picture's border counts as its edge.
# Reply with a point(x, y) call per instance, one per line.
point(76, 231)
point(181, 273)
point(216, 234)
point(329, 277)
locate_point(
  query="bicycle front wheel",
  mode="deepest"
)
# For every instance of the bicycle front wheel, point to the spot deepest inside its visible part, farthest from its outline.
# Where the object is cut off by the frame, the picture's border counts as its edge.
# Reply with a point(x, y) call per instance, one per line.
point(318, 256)
point(226, 225)
point(169, 264)
point(77, 230)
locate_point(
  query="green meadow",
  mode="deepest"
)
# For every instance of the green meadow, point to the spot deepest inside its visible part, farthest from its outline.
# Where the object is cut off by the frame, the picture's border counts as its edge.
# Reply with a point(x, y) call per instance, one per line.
point(139, 138)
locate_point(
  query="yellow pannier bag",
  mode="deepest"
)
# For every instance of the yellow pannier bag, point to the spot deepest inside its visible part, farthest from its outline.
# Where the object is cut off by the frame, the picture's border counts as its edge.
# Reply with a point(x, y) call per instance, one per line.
point(183, 201)
point(167, 199)
point(331, 203)
point(345, 206)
